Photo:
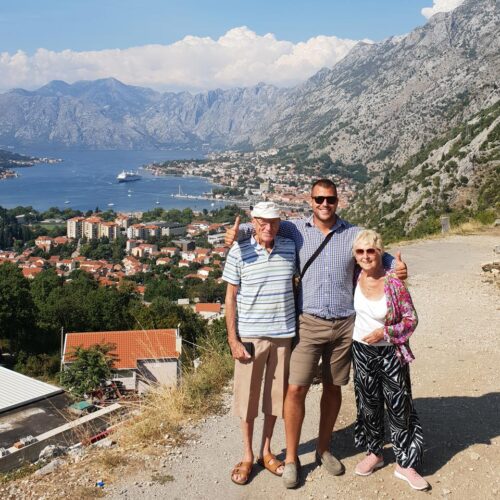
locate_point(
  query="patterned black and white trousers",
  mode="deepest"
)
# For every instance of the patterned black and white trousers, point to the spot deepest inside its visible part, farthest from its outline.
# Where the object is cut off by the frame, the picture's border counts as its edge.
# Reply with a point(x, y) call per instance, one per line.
point(380, 377)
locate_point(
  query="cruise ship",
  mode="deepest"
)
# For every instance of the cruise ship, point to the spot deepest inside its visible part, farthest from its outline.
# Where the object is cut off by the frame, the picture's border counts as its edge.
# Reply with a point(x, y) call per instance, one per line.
point(128, 176)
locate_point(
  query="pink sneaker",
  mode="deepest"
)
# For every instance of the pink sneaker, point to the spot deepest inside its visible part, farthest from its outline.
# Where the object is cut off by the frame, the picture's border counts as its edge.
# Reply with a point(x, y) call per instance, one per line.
point(369, 464)
point(412, 477)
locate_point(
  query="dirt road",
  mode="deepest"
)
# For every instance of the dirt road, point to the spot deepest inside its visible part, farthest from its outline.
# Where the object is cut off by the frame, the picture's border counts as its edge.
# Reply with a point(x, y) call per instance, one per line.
point(456, 388)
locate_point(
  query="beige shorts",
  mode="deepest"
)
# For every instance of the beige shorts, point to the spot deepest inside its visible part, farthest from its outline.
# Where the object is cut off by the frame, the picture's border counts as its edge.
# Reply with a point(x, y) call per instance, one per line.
point(272, 356)
point(327, 339)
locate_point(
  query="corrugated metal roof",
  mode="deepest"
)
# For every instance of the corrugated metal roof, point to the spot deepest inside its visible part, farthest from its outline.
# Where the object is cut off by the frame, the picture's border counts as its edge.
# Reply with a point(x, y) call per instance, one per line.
point(17, 389)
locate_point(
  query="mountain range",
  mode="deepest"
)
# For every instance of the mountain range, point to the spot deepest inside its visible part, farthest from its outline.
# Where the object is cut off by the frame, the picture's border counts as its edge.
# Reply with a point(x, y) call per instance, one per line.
point(382, 103)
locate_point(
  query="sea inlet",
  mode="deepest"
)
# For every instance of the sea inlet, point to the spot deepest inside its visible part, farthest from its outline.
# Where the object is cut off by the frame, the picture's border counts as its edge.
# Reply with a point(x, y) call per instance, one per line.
point(85, 180)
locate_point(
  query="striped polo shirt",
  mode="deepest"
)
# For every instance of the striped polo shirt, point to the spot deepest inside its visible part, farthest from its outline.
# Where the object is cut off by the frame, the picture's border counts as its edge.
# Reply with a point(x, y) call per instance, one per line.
point(265, 300)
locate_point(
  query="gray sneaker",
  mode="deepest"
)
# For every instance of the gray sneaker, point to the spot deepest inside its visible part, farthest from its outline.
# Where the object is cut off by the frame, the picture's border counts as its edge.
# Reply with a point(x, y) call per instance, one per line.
point(291, 475)
point(333, 465)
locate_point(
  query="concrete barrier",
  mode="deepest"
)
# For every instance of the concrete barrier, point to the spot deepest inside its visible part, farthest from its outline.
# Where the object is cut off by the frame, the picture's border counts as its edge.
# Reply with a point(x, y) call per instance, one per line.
point(66, 434)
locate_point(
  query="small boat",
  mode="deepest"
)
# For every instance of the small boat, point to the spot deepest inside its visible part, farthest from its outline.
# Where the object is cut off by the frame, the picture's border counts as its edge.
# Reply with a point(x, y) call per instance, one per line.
point(129, 195)
point(111, 204)
point(66, 202)
point(157, 202)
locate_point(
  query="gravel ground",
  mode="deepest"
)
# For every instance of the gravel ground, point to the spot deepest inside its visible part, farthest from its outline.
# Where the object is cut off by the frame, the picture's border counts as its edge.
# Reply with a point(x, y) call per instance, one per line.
point(455, 387)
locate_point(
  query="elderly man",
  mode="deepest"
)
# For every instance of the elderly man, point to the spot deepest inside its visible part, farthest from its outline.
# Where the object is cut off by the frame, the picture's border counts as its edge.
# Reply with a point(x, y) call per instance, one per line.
point(259, 274)
point(326, 321)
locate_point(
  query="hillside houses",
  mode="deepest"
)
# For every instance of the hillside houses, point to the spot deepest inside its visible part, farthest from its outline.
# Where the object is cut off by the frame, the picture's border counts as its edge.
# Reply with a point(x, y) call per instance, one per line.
point(46, 243)
point(141, 262)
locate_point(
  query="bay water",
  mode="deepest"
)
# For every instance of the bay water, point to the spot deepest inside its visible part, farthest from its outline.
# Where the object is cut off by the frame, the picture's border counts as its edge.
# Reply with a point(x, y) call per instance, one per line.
point(85, 180)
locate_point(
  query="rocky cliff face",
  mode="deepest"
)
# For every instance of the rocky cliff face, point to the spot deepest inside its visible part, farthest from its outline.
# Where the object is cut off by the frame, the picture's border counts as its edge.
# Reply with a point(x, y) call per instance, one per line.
point(384, 101)
point(380, 103)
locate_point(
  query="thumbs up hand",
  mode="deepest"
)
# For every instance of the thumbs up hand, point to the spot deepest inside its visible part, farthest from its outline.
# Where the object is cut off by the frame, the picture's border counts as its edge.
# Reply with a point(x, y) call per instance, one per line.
point(232, 233)
point(400, 267)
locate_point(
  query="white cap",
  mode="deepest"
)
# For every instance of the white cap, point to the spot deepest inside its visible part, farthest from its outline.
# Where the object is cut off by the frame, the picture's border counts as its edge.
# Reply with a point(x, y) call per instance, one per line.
point(266, 210)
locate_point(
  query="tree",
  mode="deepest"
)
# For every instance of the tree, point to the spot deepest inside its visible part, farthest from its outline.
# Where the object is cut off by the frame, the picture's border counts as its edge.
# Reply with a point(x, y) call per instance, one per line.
point(17, 311)
point(108, 309)
point(81, 306)
point(207, 291)
point(43, 284)
point(41, 289)
point(165, 314)
point(90, 367)
point(38, 365)
point(162, 287)
point(10, 230)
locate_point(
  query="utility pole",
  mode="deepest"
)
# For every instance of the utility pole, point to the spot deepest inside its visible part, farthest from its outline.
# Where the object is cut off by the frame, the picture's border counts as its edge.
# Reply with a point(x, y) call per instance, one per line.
point(62, 348)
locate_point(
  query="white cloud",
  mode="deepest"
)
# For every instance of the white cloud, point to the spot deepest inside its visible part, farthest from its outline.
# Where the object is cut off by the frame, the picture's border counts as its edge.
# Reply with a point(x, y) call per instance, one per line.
point(238, 58)
point(440, 6)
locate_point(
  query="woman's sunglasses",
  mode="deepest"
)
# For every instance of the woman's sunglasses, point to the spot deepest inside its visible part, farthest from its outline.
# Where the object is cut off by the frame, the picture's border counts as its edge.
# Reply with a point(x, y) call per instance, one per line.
point(369, 251)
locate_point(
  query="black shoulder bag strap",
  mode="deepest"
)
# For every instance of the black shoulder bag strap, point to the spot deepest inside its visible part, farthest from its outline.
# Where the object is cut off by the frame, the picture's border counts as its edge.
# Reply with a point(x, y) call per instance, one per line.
point(298, 281)
point(315, 254)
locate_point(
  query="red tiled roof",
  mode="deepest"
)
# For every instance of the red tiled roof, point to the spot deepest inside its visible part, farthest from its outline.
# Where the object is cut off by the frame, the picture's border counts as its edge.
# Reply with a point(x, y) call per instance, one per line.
point(131, 345)
point(31, 272)
point(194, 276)
point(207, 307)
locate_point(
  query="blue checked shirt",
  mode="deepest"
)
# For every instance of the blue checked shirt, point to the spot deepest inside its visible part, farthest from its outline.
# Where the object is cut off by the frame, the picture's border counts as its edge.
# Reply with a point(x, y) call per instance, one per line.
point(327, 287)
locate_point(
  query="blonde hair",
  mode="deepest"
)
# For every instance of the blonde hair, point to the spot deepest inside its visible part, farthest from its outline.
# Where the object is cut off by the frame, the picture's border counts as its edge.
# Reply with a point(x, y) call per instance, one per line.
point(369, 237)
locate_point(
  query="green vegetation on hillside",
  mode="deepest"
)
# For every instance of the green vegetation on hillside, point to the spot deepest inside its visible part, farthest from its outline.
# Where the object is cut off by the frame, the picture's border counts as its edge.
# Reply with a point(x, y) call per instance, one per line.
point(462, 183)
point(321, 165)
point(32, 313)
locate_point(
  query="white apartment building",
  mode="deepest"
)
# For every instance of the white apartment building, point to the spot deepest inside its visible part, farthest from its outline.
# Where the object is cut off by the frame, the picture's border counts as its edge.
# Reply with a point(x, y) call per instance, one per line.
point(74, 227)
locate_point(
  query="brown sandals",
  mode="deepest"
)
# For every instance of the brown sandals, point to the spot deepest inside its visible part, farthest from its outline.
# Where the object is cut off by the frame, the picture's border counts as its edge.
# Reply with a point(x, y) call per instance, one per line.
point(271, 463)
point(243, 469)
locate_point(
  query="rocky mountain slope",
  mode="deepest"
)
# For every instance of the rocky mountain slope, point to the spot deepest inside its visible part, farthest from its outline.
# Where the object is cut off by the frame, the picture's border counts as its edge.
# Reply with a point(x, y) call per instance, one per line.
point(384, 101)
point(381, 102)
point(107, 114)
point(455, 175)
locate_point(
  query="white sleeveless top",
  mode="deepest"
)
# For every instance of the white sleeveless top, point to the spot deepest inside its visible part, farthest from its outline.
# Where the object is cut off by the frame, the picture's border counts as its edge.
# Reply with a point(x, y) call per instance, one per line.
point(370, 315)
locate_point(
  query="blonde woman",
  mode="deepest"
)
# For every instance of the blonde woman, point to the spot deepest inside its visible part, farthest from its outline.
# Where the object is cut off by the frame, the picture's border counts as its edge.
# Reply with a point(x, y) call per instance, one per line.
point(385, 319)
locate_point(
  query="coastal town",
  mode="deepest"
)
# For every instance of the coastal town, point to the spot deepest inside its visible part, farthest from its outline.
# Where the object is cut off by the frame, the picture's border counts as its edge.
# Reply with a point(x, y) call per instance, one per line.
point(244, 178)
point(114, 248)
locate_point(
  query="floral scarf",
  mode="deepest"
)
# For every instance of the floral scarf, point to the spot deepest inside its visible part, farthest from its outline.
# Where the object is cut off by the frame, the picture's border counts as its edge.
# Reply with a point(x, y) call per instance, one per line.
point(401, 319)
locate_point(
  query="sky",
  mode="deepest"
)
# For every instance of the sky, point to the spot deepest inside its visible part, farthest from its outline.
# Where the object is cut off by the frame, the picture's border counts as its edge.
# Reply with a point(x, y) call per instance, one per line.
point(192, 45)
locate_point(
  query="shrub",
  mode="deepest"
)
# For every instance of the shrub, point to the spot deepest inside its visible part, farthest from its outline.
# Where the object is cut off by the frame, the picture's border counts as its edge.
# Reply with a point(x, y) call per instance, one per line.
point(39, 365)
point(90, 367)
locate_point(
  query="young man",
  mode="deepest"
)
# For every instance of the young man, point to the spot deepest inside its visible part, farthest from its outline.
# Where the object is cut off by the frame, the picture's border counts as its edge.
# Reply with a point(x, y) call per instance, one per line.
point(326, 321)
point(260, 318)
